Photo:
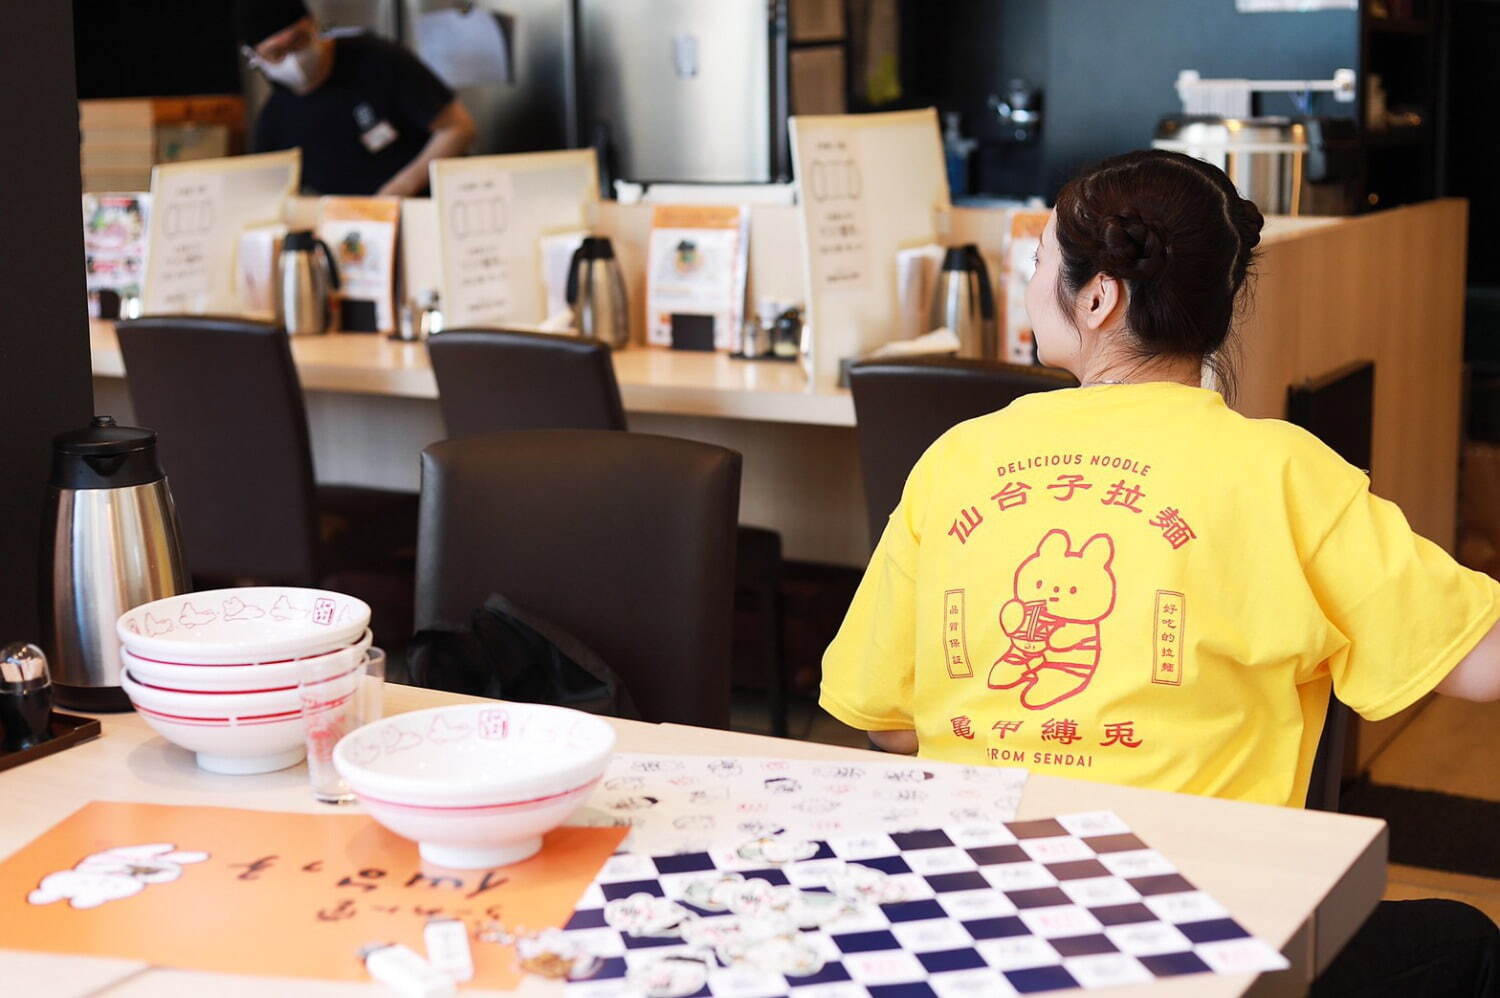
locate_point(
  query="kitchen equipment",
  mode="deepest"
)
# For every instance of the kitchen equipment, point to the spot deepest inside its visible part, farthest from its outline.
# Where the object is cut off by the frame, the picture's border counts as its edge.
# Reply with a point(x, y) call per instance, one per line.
point(306, 278)
point(1018, 112)
point(110, 543)
point(596, 292)
point(963, 301)
point(420, 317)
point(476, 785)
point(1287, 166)
point(25, 697)
point(685, 91)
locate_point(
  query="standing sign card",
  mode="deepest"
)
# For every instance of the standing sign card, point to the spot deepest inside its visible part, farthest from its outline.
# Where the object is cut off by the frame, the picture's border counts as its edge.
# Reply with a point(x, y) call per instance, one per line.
point(270, 893)
point(199, 209)
point(492, 214)
point(699, 258)
point(361, 232)
point(870, 186)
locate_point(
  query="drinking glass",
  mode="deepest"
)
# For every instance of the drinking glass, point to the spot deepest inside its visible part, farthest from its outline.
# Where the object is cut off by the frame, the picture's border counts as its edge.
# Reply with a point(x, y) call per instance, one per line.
point(338, 694)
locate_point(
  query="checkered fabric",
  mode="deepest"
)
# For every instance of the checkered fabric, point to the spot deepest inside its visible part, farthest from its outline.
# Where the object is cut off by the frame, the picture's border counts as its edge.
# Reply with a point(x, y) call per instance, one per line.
point(1025, 907)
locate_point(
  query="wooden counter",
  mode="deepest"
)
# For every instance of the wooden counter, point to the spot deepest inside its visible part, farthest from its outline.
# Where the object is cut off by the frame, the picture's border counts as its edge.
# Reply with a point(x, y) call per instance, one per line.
point(1386, 287)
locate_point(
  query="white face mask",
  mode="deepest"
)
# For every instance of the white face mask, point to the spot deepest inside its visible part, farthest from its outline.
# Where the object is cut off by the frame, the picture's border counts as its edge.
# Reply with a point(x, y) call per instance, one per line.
point(295, 70)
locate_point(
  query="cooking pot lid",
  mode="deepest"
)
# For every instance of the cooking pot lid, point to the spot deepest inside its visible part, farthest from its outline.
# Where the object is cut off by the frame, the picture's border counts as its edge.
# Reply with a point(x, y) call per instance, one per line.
point(300, 239)
point(104, 438)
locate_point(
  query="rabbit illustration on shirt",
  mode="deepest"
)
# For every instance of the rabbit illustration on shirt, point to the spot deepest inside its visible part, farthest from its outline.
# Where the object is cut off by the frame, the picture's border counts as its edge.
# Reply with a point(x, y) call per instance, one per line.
point(1060, 598)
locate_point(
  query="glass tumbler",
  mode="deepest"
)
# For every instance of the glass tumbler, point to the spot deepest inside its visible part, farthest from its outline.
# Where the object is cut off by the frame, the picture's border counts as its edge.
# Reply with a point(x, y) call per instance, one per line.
point(338, 694)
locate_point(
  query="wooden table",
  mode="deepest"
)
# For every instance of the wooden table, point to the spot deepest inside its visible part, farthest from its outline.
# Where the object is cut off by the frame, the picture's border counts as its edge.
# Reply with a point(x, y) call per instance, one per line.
point(1301, 880)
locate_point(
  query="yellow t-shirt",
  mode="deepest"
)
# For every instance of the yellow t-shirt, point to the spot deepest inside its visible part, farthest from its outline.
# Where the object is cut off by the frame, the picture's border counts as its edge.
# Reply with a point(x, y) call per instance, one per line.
point(1135, 584)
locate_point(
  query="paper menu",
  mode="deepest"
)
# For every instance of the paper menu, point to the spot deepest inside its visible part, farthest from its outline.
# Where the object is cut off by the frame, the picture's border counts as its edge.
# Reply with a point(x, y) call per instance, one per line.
point(361, 233)
point(199, 210)
point(687, 803)
point(833, 199)
point(697, 264)
point(188, 886)
point(114, 241)
point(1019, 343)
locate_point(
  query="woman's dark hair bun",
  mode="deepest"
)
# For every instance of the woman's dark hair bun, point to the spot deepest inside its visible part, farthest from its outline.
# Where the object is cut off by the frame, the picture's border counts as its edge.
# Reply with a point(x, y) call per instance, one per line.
point(1174, 229)
point(1133, 248)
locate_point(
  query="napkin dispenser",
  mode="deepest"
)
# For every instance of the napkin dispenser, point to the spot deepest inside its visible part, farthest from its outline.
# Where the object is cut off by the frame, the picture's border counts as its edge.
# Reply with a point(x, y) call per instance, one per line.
point(110, 543)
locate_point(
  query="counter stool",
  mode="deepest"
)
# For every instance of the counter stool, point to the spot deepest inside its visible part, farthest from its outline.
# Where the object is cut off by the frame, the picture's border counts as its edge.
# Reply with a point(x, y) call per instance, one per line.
point(224, 398)
point(1338, 408)
point(901, 407)
point(625, 540)
point(500, 379)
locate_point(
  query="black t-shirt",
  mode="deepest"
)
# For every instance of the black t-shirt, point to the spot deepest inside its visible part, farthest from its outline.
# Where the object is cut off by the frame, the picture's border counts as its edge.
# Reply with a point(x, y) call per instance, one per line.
point(369, 119)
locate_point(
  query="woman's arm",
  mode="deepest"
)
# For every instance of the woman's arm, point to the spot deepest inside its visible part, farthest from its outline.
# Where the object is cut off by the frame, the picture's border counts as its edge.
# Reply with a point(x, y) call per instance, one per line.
point(1477, 675)
point(897, 742)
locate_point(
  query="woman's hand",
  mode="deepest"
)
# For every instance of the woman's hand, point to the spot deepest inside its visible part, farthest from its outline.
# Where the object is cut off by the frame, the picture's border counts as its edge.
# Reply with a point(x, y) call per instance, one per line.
point(897, 742)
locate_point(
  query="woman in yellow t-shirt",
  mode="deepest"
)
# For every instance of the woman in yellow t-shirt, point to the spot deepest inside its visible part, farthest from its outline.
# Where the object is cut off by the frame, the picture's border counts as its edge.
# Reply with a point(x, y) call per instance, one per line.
point(1128, 581)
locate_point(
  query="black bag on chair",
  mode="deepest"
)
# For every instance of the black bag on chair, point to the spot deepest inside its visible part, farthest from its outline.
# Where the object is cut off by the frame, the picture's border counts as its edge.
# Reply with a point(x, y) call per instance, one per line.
point(508, 653)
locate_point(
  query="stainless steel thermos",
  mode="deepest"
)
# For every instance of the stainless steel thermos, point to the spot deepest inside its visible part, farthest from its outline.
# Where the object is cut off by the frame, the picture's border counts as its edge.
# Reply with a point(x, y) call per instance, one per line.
point(596, 293)
point(110, 542)
point(964, 302)
point(306, 278)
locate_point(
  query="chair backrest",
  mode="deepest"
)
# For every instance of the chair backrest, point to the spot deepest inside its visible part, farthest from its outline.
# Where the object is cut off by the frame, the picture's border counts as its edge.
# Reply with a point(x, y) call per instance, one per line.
point(501, 379)
point(625, 540)
point(225, 401)
point(1337, 408)
point(901, 407)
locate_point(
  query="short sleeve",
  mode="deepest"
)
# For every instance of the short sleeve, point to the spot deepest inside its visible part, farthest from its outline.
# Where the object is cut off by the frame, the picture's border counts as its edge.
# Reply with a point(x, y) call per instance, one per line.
point(1407, 612)
point(870, 668)
point(869, 671)
point(420, 95)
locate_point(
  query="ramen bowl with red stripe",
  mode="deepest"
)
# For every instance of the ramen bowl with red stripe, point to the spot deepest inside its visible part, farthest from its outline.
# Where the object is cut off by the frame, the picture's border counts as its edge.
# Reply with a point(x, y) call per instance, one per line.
point(249, 624)
point(476, 785)
point(236, 676)
point(231, 732)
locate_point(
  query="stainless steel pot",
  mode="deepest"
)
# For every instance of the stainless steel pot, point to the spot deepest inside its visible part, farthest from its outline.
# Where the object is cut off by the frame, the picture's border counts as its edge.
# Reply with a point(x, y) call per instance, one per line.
point(1265, 157)
point(305, 282)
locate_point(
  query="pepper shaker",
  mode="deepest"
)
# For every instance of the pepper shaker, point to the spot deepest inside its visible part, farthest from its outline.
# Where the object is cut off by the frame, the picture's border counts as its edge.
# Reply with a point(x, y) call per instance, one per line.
point(25, 697)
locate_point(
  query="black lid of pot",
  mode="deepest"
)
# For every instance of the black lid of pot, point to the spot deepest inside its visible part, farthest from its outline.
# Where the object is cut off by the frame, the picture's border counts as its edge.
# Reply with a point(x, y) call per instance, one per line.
point(104, 455)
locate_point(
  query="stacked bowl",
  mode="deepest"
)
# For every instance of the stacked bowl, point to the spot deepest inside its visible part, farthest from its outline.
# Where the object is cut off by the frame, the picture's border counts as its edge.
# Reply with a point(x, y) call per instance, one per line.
point(218, 672)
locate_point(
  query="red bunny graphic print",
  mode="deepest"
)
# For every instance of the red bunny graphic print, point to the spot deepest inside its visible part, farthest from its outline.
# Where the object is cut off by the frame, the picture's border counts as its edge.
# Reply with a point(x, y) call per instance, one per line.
point(1061, 596)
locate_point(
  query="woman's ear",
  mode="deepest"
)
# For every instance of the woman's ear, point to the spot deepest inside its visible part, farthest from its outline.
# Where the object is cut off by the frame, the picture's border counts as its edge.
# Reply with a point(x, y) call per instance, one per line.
point(1099, 300)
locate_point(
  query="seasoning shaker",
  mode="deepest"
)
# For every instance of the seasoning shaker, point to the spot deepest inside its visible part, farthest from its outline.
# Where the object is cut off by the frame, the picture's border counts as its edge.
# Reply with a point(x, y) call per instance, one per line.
point(25, 697)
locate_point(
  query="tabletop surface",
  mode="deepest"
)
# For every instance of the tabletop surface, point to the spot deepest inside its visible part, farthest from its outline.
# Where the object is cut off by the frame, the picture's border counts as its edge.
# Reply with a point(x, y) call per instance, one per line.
point(1300, 880)
point(652, 379)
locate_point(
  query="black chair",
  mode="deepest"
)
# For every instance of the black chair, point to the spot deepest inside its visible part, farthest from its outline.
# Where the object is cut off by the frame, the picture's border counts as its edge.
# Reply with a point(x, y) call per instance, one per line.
point(625, 540)
point(225, 400)
point(1337, 408)
point(901, 407)
point(498, 379)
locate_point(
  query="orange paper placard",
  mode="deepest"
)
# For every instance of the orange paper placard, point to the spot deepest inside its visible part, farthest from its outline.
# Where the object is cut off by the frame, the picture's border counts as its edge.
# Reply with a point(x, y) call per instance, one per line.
point(270, 893)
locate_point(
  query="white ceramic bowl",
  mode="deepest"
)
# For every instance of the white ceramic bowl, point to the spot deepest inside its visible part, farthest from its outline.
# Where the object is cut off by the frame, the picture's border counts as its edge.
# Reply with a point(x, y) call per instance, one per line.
point(476, 785)
point(237, 626)
point(230, 733)
point(262, 677)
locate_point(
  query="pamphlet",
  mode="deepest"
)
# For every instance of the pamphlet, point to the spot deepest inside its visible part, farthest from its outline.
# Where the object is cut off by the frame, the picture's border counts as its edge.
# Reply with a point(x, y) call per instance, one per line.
point(698, 261)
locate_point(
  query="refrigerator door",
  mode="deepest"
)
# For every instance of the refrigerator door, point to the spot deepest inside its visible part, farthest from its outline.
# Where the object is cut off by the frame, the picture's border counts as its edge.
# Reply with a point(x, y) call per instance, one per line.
point(683, 89)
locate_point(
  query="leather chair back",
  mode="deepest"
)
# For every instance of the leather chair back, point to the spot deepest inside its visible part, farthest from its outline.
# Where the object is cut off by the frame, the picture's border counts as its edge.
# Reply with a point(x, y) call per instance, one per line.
point(1339, 409)
point(625, 540)
point(225, 401)
point(900, 408)
point(501, 379)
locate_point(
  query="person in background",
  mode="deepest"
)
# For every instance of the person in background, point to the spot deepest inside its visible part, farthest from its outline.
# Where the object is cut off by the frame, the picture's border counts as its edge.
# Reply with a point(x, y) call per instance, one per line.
point(367, 114)
point(1130, 582)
